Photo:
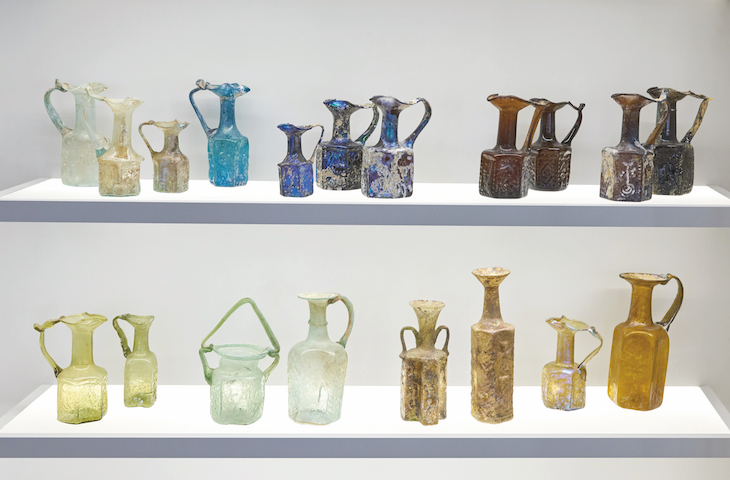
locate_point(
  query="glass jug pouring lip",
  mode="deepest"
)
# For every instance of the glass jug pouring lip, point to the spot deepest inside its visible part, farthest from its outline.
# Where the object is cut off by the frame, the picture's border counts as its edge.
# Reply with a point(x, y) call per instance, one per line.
point(242, 351)
point(224, 89)
point(427, 304)
point(645, 277)
point(318, 296)
point(567, 323)
point(491, 271)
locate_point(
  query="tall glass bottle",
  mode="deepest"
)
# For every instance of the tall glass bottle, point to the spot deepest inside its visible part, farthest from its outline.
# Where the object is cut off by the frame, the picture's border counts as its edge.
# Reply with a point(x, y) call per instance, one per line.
point(492, 354)
point(140, 368)
point(317, 365)
point(81, 394)
point(80, 146)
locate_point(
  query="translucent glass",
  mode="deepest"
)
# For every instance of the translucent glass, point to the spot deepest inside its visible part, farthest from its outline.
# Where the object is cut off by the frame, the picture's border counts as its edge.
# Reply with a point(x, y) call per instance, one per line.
point(140, 369)
point(82, 385)
point(171, 167)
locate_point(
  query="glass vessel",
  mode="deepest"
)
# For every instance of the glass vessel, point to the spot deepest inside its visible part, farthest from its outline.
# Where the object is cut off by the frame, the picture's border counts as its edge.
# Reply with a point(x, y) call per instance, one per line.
point(387, 167)
point(640, 349)
point(627, 169)
point(492, 354)
point(227, 148)
point(81, 394)
point(423, 371)
point(171, 167)
point(564, 381)
point(339, 161)
point(674, 160)
point(296, 176)
point(119, 165)
point(237, 385)
point(140, 368)
point(80, 146)
point(552, 157)
point(317, 365)
point(506, 171)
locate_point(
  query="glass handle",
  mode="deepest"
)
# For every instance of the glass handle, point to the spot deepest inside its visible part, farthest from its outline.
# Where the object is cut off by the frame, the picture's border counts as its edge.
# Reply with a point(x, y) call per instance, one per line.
point(350, 318)
point(267, 372)
point(654, 136)
point(448, 335)
point(149, 147)
point(314, 152)
point(52, 112)
point(594, 332)
point(122, 336)
point(426, 117)
point(574, 131)
point(208, 131)
point(403, 340)
point(207, 371)
point(42, 328)
point(539, 107)
point(698, 119)
point(672, 312)
point(371, 128)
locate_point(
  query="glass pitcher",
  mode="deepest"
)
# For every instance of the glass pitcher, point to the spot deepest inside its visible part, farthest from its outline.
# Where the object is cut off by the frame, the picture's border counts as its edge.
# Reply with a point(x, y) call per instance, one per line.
point(317, 365)
point(171, 166)
point(296, 175)
point(564, 381)
point(237, 385)
point(81, 394)
point(140, 368)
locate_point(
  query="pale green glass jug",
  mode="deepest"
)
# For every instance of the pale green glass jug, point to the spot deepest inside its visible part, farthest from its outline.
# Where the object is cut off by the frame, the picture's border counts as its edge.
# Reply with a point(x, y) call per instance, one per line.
point(81, 385)
point(237, 385)
point(317, 366)
point(140, 369)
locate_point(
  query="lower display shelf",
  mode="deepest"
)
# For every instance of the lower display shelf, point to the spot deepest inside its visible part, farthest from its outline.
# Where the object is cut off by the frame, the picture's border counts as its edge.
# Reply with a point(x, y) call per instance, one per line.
point(692, 422)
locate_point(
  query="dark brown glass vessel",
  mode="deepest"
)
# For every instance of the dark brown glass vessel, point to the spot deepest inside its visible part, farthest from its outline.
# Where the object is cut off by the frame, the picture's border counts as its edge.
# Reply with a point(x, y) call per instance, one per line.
point(505, 170)
point(552, 157)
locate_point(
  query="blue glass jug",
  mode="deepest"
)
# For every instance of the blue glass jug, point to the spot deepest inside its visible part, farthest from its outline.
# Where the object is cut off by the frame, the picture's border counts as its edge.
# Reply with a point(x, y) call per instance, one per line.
point(296, 175)
point(227, 148)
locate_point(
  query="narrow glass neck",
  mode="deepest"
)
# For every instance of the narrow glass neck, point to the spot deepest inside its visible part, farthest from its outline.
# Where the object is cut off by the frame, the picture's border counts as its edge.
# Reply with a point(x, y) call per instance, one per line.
point(294, 144)
point(228, 113)
point(341, 126)
point(428, 337)
point(630, 125)
point(318, 321)
point(507, 133)
point(492, 314)
point(122, 130)
point(640, 311)
point(669, 132)
point(141, 339)
point(547, 126)
point(566, 347)
point(389, 130)
point(82, 348)
point(172, 142)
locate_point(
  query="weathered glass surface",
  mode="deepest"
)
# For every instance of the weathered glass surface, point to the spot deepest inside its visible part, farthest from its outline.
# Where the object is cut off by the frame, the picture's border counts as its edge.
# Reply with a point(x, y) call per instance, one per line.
point(492, 354)
point(552, 157)
point(119, 165)
point(296, 174)
point(506, 171)
point(640, 349)
point(171, 167)
point(80, 146)
point(674, 160)
point(564, 380)
point(387, 168)
point(82, 385)
point(423, 370)
point(339, 160)
point(627, 170)
point(140, 368)
point(227, 148)
point(237, 385)
point(317, 365)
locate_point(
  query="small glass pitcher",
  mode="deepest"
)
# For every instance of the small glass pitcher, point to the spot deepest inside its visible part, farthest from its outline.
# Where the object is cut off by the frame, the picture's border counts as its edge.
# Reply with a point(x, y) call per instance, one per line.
point(140, 368)
point(171, 166)
point(564, 381)
point(237, 385)
point(296, 173)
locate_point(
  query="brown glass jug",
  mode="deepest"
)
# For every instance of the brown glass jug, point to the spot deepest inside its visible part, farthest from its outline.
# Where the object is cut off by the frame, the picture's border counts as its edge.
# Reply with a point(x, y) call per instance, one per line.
point(552, 157)
point(640, 349)
point(627, 169)
point(505, 170)
point(674, 160)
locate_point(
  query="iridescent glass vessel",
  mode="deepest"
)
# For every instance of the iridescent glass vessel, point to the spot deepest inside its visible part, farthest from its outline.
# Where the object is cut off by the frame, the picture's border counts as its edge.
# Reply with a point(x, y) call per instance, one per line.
point(171, 167)
point(140, 368)
point(296, 175)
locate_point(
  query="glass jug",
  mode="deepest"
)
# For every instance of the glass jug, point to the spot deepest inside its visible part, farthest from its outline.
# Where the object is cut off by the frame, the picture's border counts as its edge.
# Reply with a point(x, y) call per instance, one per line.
point(81, 394)
point(564, 381)
point(237, 385)
point(296, 175)
point(140, 368)
point(317, 365)
point(80, 146)
point(171, 167)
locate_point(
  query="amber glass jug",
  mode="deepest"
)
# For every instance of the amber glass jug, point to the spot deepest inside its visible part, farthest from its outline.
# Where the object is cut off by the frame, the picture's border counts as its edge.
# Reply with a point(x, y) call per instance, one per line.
point(640, 349)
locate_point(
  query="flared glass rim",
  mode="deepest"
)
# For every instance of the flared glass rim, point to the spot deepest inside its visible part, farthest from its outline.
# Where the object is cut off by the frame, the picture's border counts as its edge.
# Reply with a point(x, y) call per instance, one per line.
point(246, 351)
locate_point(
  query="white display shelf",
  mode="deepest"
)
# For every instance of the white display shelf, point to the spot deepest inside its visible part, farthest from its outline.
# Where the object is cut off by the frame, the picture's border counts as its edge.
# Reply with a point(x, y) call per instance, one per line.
point(690, 423)
point(48, 200)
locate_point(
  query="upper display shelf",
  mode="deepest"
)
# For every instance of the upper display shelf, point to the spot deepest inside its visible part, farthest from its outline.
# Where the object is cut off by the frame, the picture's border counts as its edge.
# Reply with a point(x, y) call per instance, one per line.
point(259, 202)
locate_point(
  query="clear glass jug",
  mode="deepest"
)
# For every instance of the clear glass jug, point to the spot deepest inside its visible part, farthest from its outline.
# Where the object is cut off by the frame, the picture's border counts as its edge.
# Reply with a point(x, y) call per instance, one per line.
point(82, 385)
point(140, 368)
point(317, 365)
point(237, 385)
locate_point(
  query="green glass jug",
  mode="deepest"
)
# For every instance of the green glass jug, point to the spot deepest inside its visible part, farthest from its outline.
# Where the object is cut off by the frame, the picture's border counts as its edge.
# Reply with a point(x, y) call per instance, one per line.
point(140, 369)
point(237, 385)
point(81, 385)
